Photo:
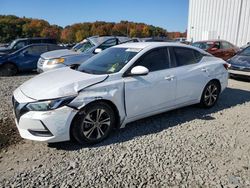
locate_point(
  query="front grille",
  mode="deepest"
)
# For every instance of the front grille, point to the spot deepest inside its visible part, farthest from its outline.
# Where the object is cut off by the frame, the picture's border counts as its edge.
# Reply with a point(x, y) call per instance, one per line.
point(41, 62)
point(19, 108)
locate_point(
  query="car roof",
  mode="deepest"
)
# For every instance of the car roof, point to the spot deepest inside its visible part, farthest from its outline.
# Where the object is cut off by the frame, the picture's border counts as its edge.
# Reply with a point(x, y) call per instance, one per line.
point(34, 38)
point(216, 40)
point(36, 44)
point(143, 45)
point(151, 45)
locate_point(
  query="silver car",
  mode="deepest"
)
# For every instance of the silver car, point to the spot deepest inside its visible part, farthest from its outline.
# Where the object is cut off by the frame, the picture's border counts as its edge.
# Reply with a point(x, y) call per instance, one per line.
point(89, 47)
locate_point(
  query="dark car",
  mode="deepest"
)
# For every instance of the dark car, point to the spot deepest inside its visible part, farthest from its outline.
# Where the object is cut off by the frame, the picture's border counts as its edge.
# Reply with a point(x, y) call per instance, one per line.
point(219, 48)
point(240, 64)
point(24, 59)
point(22, 42)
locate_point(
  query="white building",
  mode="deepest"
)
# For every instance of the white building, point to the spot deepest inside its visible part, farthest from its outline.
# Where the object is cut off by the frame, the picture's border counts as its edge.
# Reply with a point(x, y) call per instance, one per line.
point(219, 19)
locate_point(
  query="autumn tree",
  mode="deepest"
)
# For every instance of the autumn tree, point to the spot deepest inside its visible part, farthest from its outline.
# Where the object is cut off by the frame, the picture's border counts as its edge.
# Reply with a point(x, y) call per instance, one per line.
point(12, 27)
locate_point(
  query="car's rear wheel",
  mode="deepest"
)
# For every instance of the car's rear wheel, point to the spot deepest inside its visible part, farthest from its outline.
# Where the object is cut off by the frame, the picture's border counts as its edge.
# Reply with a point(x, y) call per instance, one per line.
point(94, 123)
point(210, 94)
point(8, 69)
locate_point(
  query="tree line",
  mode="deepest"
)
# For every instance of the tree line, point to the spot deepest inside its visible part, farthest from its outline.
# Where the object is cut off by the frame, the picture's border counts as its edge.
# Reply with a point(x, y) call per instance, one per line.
point(12, 27)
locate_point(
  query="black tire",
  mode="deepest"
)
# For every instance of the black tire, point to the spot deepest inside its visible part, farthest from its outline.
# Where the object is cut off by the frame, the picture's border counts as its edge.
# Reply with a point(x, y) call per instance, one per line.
point(87, 127)
point(8, 69)
point(210, 94)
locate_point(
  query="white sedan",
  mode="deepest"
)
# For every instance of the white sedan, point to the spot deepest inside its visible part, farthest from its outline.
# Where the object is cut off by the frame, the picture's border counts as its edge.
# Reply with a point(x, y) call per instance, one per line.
point(120, 85)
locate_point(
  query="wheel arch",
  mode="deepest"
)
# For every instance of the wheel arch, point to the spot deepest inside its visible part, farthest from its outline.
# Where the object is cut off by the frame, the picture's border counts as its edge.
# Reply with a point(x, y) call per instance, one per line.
point(212, 80)
point(217, 81)
point(10, 62)
point(108, 102)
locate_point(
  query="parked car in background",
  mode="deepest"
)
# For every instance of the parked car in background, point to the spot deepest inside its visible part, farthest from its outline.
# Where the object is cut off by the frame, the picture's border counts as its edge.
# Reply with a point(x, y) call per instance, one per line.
point(218, 48)
point(24, 59)
point(22, 42)
point(89, 47)
point(244, 46)
point(240, 63)
point(122, 84)
point(181, 40)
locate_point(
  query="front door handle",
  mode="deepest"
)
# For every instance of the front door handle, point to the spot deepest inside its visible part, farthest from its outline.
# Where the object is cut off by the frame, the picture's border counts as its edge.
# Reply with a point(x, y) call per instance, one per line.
point(169, 78)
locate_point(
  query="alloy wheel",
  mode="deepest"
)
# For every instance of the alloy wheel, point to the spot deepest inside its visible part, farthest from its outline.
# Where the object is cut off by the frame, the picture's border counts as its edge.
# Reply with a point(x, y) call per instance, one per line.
point(96, 123)
point(211, 95)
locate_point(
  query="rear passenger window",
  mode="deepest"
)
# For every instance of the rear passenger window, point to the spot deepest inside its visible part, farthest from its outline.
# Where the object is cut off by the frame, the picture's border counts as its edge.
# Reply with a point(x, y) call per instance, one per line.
point(50, 41)
point(155, 60)
point(198, 55)
point(35, 41)
point(186, 56)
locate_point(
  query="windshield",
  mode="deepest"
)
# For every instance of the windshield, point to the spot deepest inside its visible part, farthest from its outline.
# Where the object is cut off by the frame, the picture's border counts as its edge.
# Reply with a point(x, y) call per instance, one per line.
point(203, 45)
point(109, 61)
point(246, 51)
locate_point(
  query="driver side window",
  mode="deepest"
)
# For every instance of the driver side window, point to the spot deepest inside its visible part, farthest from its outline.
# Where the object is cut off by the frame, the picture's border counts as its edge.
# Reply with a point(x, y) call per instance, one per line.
point(155, 60)
point(108, 43)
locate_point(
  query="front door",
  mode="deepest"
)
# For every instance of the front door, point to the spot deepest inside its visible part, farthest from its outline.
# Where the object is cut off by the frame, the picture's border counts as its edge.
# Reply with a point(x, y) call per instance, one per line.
point(154, 91)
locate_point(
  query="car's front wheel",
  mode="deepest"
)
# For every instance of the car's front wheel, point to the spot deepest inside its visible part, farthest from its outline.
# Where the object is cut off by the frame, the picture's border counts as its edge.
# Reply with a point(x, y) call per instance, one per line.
point(94, 123)
point(210, 94)
point(8, 69)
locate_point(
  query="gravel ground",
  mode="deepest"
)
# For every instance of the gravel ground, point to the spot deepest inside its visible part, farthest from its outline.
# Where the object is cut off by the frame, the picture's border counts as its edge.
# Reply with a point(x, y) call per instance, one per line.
point(189, 147)
point(8, 132)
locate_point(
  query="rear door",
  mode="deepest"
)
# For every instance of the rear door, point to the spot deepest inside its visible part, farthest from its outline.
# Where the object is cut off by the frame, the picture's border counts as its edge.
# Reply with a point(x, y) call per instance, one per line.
point(191, 74)
point(154, 91)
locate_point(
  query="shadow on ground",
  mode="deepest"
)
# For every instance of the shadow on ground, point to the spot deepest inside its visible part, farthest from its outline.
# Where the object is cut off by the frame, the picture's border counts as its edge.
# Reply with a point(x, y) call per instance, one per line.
point(229, 98)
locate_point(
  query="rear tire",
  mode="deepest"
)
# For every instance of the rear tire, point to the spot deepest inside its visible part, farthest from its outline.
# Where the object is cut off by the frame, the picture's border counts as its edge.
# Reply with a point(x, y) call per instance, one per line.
point(8, 69)
point(210, 94)
point(93, 124)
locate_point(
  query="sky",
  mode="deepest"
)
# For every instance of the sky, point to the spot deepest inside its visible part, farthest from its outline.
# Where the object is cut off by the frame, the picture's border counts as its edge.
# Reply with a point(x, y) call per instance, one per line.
point(168, 14)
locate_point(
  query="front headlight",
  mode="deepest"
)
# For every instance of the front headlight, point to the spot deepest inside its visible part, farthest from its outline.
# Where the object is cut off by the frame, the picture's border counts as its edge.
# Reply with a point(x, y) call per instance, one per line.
point(55, 61)
point(49, 105)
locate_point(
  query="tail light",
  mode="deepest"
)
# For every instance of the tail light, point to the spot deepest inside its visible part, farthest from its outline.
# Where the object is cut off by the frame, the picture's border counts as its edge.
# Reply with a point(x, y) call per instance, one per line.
point(227, 65)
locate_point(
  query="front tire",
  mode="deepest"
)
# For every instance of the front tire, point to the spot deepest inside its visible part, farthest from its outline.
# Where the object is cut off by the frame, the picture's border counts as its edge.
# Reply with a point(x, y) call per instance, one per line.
point(210, 94)
point(8, 69)
point(93, 124)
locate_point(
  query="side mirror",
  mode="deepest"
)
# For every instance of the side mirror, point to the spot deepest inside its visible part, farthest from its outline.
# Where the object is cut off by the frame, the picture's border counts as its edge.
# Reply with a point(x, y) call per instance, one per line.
point(97, 50)
point(139, 71)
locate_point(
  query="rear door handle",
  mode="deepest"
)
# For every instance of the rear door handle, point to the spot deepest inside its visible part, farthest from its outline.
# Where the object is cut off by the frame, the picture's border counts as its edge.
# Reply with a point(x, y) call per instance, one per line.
point(169, 78)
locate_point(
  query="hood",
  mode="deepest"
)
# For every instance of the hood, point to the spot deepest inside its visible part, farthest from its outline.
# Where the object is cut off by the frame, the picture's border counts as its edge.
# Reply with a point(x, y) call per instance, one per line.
point(59, 83)
point(240, 60)
point(58, 54)
point(4, 49)
point(3, 54)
